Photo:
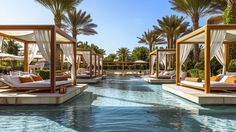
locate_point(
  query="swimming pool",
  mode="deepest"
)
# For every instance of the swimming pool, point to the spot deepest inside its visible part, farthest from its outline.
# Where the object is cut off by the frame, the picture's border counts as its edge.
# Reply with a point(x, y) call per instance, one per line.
point(119, 104)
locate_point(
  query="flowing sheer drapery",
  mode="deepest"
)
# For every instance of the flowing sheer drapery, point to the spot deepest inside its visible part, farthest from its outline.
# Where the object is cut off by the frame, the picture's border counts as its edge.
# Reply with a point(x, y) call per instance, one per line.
point(217, 46)
point(153, 59)
point(1, 40)
point(32, 52)
point(69, 55)
point(161, 58)
point(184, 52)
point(43, 41)
point(86, 56)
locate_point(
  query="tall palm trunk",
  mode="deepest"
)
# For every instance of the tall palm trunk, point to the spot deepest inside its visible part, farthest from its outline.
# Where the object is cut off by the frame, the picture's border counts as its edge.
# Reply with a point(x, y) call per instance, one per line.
point(195, 22)
point(150, 48)
point(58, 20)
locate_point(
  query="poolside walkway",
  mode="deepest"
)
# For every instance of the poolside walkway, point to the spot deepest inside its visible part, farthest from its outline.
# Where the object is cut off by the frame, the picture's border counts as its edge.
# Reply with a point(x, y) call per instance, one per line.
point(7, 97)
point(199, 97)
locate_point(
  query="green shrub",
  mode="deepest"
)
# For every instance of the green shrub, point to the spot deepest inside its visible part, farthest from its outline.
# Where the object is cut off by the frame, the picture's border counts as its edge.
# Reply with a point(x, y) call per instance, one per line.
point(219, 71)
point(228, 16)
point(45, 74)
point(232, 66)
point(196, 73)
point(199, 65)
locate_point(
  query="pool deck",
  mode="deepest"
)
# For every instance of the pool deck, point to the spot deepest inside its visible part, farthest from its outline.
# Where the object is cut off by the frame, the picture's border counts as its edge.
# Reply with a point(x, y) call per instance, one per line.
point(158, 81)
point(8, 97)
point(89, 81)
point(199, 97)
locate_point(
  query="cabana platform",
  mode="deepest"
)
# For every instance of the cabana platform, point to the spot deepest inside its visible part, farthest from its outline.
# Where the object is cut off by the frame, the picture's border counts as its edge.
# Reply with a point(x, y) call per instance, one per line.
point(89, 80)
point(8, 97)
point(200, 97)
point(159, 81)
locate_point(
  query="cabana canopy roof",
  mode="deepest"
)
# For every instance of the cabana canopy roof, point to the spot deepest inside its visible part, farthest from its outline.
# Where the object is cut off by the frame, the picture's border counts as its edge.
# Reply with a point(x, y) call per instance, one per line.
point(198, 36)
point(25, 33)
point(165, 51)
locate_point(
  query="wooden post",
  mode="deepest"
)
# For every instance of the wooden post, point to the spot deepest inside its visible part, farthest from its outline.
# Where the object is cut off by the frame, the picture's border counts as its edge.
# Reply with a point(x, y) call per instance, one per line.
point(53, 60)
point(75, 64)
point(226, 57)
point(157, 65)
point(26, 54)
point(90, 67)
point(178, 63)
point(207, 68)
point(166, 63)
point(95, 67)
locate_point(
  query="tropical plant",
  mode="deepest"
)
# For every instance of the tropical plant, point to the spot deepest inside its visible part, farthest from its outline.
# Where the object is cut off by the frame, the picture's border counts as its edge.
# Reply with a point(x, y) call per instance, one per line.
point(151, 38)
point(140, 53)
point(195, 9)
point(59, 8)
point(110, 57)
point(172, 27)
point(11, 47)
point(79, 23)
point(95, 48)
point(123, 54)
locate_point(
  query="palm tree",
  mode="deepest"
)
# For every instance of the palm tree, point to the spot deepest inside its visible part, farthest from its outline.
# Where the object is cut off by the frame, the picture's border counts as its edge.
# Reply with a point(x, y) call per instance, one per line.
point(59, 8)
point(123, 55)
point(172, 27)
point(194, 9)
point(151, 38)
point(79, 23)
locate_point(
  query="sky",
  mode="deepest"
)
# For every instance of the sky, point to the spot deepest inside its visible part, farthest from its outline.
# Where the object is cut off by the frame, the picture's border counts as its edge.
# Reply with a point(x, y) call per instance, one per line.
point(119, 22)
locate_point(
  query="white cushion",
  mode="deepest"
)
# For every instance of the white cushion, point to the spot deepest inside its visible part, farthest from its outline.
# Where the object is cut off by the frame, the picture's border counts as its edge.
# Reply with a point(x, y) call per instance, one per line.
point(15, 79)
point(14, 73)
point(223, 79)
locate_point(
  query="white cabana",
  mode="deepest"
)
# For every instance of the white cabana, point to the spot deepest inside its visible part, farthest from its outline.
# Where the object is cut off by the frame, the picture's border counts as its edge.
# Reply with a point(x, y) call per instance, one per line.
point(216, 40)
point(43, 38)
point(158, 57)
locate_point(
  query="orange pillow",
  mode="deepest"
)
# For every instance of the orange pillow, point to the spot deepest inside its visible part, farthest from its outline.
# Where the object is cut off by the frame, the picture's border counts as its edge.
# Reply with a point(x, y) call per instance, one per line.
point(215, 78)
point(25, 79)
point(231, 80)
point(192, 79)
point(36, 78)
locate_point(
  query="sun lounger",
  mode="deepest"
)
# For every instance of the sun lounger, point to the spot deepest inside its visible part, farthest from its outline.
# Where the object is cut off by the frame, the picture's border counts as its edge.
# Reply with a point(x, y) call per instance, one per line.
point(14, 83)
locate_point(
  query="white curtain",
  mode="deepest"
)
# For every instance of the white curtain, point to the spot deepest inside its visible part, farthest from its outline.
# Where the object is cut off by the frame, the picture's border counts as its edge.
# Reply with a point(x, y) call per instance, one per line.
point(184, 52)
point(32, 52)
point(43, 40)
point(86, 55)
point(93, 60)
point(217, 46)
point(153, 60)
point(1, 40)
point(69, 55)
point(217, 39)
point(41, 64)
point(162, 58)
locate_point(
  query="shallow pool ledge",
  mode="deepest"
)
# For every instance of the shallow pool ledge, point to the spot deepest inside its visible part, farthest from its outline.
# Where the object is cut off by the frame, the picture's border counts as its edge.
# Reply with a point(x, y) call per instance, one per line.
point(19, 98)
point(199, 97)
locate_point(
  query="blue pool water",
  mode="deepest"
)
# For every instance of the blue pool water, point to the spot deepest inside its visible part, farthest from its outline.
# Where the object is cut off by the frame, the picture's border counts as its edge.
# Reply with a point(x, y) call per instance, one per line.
point(119, 104)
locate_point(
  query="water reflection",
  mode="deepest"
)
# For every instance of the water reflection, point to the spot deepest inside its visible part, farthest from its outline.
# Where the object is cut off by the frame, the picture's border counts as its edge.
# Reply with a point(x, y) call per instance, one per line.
point(114, 105)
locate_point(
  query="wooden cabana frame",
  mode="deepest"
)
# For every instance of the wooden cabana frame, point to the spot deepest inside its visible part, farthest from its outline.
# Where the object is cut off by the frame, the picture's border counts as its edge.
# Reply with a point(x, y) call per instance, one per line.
point(194, 38)
point(55, 35)
point(97, 68)
point(156, 53)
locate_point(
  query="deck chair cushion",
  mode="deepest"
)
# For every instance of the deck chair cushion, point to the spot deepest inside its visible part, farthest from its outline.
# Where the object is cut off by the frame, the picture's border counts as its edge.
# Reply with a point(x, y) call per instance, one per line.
point(192, 79)
point(215, 78)
point(36, 77)
point(230, 80)
point(25, 79)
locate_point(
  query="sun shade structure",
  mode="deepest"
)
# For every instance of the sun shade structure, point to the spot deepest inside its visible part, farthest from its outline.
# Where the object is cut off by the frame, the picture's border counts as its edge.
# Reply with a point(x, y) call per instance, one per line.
point(216, 40)
point(43, 38)
point(159, 56)
point(93, 62)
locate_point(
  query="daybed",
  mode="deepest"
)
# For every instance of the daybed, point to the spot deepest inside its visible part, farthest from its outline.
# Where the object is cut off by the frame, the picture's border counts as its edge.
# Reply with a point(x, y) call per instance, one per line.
point(15, 83)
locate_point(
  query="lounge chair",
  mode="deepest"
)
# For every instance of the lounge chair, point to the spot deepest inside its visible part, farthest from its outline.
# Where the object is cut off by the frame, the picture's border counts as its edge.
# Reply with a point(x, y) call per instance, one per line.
point(14, 83)
point(215, 85)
